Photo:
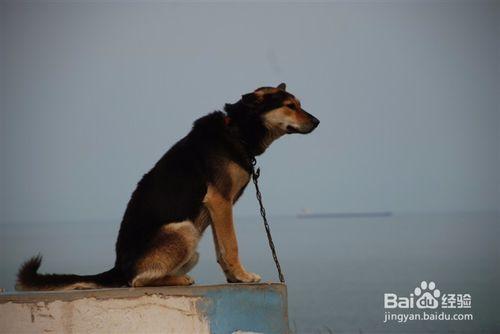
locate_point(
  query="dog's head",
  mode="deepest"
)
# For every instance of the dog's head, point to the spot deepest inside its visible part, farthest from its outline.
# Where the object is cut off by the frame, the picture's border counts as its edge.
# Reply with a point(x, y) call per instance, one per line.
point(265, 115)
point(279, 110)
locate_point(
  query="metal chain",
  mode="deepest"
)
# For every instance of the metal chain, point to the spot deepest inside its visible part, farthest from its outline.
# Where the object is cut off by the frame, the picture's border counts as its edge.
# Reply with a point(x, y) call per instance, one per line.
point(255, 176)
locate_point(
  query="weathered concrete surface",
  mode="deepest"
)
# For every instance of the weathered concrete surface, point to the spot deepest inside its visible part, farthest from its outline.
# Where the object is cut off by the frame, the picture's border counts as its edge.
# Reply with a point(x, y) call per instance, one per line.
point(147, 314)
point(228, 308)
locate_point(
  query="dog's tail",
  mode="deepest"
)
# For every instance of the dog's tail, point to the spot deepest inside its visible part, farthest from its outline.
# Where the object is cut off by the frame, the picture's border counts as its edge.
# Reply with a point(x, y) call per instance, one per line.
point(28, 278)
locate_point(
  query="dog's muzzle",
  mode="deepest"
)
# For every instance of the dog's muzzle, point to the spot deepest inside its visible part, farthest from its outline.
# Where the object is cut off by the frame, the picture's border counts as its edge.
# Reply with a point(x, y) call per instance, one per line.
point(313, 124)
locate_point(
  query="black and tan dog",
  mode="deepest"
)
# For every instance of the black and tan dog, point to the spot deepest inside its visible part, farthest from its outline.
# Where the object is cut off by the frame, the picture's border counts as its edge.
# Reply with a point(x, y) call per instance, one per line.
point(195, 184)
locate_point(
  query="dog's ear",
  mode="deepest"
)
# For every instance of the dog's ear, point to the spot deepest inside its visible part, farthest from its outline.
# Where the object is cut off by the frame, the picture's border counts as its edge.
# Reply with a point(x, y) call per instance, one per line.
point(249, 99)
point(282, 86)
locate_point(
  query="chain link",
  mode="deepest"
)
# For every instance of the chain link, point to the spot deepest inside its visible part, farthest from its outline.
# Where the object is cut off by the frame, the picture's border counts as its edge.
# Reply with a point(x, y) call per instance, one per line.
point(255, 176)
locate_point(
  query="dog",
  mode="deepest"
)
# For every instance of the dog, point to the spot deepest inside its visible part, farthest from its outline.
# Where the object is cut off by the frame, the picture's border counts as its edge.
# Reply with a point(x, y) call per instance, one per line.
point(194, 185)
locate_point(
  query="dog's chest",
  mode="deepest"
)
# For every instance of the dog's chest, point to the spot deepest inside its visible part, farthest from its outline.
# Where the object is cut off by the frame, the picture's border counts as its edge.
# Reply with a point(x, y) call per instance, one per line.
point(239, 179)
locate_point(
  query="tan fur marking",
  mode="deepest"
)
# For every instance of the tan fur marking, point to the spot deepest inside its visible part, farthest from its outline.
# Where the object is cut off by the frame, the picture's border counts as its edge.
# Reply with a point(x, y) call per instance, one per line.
point(222, 223)
point(280, 118)
point(267, 90)
point(162, 281)
point(172, 248)
point(188, 265)
point(202, 220)
point(239, 178)
point(221, 213)
point(81, 286)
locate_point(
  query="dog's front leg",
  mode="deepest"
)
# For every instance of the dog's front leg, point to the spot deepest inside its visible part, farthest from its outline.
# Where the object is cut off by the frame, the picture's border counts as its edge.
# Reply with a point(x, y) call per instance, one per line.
point(226, 245)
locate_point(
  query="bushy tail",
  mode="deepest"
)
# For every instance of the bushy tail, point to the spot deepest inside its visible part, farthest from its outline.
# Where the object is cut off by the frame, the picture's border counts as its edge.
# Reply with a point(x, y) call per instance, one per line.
point(28, 278)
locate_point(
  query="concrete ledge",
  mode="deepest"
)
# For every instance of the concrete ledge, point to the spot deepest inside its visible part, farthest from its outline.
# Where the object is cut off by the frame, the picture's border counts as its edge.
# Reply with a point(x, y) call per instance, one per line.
point(226, 308)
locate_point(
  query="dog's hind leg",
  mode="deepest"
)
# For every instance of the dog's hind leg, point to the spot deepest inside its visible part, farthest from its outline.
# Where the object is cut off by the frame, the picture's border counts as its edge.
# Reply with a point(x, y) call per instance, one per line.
point(188, 265)
point(172, 248)
point(166, 280)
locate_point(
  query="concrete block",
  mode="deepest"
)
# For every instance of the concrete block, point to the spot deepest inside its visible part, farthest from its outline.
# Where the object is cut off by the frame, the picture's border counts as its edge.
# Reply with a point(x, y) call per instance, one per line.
point(227, 308)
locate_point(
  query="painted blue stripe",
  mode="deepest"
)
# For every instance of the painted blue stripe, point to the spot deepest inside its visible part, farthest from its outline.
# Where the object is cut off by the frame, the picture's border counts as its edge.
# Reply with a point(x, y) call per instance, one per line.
point(260, 309)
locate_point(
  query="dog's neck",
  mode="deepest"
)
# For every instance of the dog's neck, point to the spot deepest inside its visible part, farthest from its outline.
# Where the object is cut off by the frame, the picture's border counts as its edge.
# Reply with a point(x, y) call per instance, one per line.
point(249, 129)
point(270, 137)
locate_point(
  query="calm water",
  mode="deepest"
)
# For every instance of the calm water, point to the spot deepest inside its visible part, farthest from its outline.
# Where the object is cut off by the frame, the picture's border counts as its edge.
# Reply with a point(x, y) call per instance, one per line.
point(337, 270)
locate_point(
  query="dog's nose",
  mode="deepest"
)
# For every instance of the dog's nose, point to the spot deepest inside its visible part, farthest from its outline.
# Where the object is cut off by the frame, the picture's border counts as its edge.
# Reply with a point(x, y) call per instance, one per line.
point(314, 121)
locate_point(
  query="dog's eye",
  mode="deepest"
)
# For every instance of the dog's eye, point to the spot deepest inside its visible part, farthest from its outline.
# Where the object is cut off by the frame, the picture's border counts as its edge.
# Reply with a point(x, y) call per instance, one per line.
point(290, 105)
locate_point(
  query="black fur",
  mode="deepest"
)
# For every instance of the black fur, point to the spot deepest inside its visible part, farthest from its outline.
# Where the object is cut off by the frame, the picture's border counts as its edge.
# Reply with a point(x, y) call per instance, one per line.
point(29, 279)
point(173, 190)
point(180, 179)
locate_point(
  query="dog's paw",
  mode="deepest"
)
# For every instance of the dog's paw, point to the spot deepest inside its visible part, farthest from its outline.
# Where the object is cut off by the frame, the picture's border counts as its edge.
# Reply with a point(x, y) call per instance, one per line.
point(183, 280)
point(188, 280)
point(244, 277)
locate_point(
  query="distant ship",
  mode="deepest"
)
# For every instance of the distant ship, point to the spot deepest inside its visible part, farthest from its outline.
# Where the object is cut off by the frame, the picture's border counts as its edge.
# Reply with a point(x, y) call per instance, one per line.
point(305, 213)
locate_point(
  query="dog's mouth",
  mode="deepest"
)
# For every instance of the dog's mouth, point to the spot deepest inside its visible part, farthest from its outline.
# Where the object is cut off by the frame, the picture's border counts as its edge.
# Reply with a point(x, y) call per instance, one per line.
point(292, 129)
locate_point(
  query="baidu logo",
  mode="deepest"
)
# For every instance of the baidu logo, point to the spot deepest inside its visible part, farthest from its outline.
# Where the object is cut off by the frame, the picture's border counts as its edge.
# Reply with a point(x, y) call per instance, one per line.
point(422, 303)
point(427, 296)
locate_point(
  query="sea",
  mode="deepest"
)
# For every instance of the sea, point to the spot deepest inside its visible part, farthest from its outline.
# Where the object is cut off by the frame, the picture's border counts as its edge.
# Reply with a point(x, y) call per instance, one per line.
point(337, 270)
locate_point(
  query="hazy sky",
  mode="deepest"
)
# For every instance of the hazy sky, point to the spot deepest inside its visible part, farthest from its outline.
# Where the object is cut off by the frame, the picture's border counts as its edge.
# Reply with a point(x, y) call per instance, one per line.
point(408, 95)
